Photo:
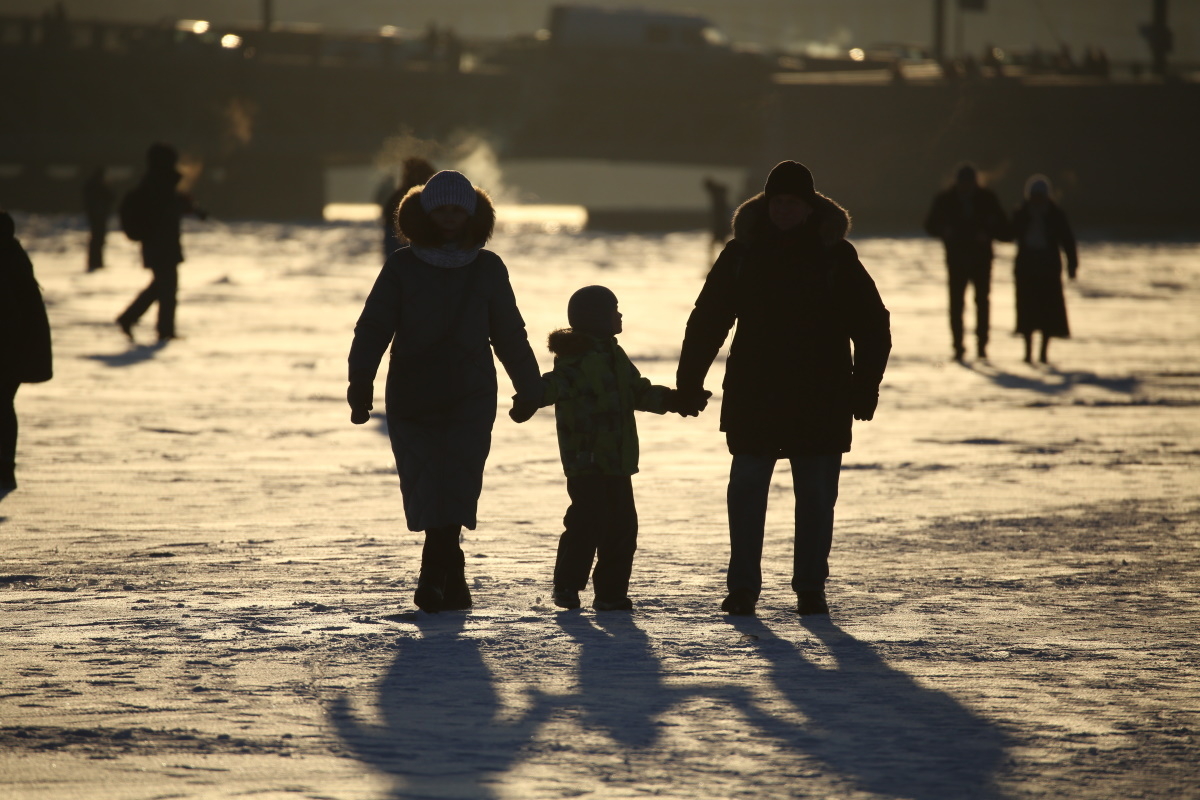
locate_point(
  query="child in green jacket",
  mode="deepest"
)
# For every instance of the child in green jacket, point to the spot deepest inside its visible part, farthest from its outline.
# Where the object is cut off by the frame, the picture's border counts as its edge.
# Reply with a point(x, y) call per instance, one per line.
point(595, 389)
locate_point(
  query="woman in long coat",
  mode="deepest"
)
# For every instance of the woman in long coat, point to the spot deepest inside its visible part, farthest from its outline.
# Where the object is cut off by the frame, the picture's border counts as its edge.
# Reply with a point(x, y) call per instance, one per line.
point(24, 341)
point(444, 303)
point(1041, 230)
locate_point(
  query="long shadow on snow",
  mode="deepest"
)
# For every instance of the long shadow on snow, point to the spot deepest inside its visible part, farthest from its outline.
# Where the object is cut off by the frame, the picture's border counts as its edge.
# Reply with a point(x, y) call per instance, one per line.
point(1056, 382)
point(136, 354)
point(441, 734)
point(875, 725)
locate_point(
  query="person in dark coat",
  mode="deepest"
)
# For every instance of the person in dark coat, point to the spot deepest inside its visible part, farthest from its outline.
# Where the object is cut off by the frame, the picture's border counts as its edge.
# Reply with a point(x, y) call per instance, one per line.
point(415, 172)
point(444, 304)
point(98, 199)
point(25, 355)
point(718, 211)
point(158, 208)
point(809, 353)
point(1041, 231)
point(967, 218)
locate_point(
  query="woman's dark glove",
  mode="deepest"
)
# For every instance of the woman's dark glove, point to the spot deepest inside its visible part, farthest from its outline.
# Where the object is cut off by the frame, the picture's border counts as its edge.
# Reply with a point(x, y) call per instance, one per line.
point(360, 396)
point(522, 408)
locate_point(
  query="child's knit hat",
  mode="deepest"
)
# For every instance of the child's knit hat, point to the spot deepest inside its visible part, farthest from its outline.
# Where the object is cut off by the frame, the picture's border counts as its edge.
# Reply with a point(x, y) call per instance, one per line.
point(590, 310)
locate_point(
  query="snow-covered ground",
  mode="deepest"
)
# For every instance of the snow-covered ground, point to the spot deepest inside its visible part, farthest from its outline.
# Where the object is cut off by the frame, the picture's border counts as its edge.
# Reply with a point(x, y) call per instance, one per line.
point(206, 581)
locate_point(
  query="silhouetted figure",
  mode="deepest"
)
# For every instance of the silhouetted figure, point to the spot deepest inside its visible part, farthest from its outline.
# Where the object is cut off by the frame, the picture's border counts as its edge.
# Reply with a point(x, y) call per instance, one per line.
point(595, 389)
point(967, 217)
point(800, 299)
point(718, 210)
point(98, 200)
point(24, 341)
point(444, 304)
point(152, 213)
point(1041, 231)
point(415, 172)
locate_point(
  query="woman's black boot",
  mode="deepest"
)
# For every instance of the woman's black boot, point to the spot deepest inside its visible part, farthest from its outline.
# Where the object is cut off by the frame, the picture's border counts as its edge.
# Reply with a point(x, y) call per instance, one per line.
point(457, 595)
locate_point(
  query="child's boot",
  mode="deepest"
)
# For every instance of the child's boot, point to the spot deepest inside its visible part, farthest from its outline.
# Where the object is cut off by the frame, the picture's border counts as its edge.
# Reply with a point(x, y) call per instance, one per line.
point(456, 595)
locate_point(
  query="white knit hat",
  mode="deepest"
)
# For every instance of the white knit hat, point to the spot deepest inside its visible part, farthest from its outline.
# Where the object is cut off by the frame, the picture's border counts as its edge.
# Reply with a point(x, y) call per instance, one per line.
point(448, 188)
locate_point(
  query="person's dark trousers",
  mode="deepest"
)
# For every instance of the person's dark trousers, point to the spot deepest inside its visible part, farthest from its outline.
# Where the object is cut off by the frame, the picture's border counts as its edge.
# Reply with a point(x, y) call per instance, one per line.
point(96, 247)
point(815, 483)
point(8, 430)
point(162, 290)
point(601, 522)
point(974, 269)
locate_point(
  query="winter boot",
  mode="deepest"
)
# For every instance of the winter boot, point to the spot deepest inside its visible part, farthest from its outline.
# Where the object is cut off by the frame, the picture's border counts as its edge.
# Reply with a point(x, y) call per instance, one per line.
point(811, 602)
point(456, 595)
point(740, 602)
point(613, 604)
point(566, 598)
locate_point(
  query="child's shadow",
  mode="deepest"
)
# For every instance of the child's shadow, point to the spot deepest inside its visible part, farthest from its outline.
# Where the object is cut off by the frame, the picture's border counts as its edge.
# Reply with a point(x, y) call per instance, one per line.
point(875, 725)
point(441, 734)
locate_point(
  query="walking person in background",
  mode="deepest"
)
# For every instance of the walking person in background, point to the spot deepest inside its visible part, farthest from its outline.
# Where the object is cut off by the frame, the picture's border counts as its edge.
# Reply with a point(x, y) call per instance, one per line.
point(98, 200)
point(152, 214)
point(800, 299)
point(416, 172)
point(967, 217)
point(1041, 231)
point(718, 212)
point(24, 341)
point(595, 389)
point(444, 304)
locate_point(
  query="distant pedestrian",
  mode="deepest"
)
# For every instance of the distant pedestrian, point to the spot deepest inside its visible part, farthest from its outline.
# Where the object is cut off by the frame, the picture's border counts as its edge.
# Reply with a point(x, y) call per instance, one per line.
point(718, 211)
point(811, 343)
point(1041, 231)
point(152, 213)
point(98, 200)
point(24, 341)
point(967, 218)
point(444, 304)
point(595, 389)
point(415, 172)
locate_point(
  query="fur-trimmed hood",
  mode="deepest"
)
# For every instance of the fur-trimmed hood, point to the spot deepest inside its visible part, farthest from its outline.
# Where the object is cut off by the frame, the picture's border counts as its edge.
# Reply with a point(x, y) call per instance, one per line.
point(415, 224)
point(569, 342)
point(753, 214)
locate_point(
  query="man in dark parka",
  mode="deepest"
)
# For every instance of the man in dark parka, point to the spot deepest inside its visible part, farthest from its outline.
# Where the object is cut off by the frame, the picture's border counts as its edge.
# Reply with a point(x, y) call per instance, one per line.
point(967, 217)
point(800, 298)
point(24, 341)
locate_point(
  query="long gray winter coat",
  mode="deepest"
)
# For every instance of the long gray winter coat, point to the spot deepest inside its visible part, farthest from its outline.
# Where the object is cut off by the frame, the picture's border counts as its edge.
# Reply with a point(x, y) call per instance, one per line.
point(443, 324)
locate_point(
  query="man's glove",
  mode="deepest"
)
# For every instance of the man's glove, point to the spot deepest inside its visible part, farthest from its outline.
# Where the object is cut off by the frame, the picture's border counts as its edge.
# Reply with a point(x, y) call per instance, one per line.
point(863, 401)
point(522, 409)
point(360, 396)
point(689, 402)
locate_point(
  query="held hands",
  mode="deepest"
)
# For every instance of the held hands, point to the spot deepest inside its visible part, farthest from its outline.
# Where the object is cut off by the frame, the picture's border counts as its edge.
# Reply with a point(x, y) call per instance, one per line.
point(522, 409)
point(688, 402)
point(360, 397)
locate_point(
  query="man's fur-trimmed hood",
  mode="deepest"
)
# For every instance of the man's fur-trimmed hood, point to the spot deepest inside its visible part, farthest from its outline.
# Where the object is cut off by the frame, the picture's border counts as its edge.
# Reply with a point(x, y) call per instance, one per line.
point(569, 342)
point(752, 215)
point(414, 223)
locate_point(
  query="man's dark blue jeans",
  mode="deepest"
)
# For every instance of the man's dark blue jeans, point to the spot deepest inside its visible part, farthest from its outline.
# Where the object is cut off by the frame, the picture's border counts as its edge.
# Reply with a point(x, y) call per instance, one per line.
point(815, 483)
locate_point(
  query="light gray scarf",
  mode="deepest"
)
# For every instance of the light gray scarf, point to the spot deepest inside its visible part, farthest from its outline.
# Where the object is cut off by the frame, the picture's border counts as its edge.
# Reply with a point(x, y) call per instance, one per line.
point(448, 256)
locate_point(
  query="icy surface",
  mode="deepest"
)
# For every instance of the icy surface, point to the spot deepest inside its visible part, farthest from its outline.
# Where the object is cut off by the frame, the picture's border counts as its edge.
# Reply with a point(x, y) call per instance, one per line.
point(206, 581)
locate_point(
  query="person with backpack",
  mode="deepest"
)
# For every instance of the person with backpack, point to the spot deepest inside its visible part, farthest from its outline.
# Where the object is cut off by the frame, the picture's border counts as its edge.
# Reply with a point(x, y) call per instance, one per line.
point(808, 355)
point(152, 213)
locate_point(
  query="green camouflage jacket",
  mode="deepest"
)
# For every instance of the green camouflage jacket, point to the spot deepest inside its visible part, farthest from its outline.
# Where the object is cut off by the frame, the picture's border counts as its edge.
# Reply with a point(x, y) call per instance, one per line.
point(595, 389)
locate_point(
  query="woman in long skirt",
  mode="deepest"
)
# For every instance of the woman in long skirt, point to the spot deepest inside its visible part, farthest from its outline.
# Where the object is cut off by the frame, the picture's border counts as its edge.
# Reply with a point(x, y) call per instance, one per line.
point(444, 303)
point(1042, 233)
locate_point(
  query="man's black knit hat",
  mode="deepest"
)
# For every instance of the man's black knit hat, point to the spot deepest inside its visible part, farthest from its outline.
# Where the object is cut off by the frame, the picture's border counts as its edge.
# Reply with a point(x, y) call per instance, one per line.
point(790, 177)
